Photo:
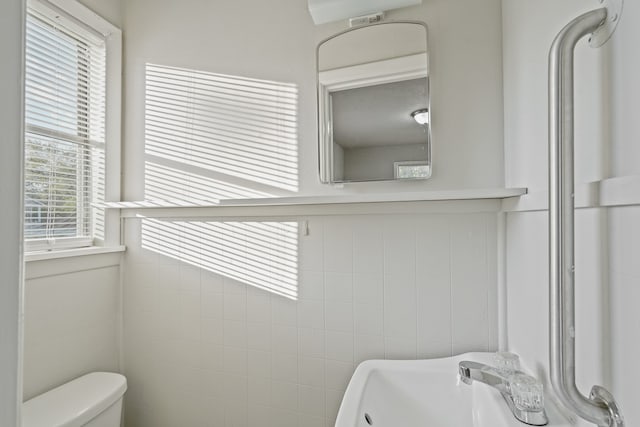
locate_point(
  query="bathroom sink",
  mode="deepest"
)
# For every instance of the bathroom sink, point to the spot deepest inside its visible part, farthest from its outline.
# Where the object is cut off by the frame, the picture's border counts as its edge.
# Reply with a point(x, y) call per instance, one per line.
point(425, 393)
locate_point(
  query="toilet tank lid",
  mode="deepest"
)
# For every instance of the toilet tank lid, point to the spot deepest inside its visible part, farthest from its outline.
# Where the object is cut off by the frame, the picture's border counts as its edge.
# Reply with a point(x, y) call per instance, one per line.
point(76, 402)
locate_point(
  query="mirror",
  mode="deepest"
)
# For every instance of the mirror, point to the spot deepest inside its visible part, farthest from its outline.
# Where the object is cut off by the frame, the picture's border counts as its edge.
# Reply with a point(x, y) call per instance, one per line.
point(373, 104)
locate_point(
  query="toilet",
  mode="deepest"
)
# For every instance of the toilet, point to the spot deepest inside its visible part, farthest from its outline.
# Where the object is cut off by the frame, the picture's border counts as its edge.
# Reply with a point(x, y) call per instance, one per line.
point(93, 400)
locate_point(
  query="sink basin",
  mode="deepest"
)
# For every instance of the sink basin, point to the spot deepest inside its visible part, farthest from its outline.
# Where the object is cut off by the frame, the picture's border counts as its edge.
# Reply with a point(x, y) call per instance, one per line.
point(425, 393)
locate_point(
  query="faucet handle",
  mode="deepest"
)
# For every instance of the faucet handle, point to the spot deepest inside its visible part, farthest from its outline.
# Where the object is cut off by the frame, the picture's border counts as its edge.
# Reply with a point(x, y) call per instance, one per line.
point(526, 392)
point(507, 363)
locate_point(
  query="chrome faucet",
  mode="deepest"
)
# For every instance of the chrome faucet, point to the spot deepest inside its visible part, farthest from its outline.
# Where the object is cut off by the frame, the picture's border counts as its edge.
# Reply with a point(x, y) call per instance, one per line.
point(522, 392)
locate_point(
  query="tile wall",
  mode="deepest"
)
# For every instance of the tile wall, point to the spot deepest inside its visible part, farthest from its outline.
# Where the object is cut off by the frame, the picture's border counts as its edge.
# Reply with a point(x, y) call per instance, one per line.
point(204, 348)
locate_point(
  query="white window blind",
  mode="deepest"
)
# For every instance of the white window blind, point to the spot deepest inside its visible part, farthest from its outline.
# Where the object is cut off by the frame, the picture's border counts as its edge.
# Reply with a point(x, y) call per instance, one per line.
point(64, 133)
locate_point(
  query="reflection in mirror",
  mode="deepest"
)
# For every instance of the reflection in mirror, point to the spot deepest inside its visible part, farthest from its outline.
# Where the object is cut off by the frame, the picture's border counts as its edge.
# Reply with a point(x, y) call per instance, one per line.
point(373, 100)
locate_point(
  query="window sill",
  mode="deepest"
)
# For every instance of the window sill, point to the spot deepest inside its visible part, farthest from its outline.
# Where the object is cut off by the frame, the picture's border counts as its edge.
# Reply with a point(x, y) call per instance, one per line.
point(68, 253)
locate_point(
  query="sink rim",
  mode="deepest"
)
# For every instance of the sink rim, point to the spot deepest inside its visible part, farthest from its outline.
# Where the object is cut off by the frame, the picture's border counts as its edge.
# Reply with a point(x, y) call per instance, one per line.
point(349, 411)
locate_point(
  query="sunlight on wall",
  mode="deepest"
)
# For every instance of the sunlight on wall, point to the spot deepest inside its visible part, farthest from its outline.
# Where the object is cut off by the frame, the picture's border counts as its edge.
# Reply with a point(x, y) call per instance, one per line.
point(187, 185)
point(221, 136)
point(260, 254)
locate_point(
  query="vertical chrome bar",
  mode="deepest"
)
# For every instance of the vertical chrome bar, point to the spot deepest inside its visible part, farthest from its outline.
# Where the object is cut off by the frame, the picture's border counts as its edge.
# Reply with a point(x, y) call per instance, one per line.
point(595, 409)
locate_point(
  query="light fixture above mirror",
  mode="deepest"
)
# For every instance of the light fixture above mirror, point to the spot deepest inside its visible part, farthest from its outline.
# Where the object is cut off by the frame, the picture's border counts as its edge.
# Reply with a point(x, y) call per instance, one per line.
point(323, 11)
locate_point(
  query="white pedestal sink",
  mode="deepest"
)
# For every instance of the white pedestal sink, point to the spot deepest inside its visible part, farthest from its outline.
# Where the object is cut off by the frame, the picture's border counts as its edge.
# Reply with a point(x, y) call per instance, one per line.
point(425, 393)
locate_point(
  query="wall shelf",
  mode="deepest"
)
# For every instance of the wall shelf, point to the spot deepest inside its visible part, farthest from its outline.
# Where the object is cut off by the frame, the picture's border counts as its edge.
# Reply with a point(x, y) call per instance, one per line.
point(402, 202)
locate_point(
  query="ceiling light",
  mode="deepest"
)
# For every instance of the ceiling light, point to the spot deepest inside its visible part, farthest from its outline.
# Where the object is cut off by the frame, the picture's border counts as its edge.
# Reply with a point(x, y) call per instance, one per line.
point(421, 116)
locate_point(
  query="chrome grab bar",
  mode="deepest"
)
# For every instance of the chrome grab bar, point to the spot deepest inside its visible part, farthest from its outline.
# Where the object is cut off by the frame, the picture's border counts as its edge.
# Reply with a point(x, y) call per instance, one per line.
point(599, 408)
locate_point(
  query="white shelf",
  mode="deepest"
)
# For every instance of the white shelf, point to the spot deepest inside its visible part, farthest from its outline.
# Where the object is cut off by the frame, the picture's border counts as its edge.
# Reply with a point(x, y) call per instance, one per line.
point(306, 205)
point(475, 194)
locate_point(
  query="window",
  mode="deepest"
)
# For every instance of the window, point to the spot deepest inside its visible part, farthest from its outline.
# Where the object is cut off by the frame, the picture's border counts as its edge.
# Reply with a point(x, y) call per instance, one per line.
point(411, 169)
point(65, 129)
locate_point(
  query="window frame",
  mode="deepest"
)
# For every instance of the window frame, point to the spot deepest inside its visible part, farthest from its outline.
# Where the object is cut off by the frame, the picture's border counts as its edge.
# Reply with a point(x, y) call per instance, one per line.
point(75, 16)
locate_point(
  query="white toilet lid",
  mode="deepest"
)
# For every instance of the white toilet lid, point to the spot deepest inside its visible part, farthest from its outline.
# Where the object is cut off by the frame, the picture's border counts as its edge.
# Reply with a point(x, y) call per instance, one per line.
point(75, 403)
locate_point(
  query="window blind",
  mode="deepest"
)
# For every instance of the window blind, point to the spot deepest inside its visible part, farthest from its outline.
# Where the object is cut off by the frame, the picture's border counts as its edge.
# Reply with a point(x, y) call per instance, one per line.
point(64, 133)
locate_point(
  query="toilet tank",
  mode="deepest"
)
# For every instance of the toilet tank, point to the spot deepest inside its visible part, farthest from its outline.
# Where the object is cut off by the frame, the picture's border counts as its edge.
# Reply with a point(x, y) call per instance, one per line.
point(93, 400)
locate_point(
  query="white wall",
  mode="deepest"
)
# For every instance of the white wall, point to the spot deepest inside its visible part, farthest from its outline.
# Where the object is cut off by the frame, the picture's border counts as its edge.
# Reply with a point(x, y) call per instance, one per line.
point(72, 306)
point(11, 29)
point(111, 10)
point(276, 42)
point(72, 320)
point(606, 238)
point(203, 348)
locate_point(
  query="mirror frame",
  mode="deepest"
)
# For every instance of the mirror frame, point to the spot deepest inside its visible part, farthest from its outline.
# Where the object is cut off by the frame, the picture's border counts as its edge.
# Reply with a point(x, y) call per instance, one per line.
point(408, 69)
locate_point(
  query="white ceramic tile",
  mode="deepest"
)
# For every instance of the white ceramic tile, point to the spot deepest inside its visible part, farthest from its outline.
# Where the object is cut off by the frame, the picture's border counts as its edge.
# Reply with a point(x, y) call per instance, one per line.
point(190, 303)
point(235, 387)
point(367, 347)
point(368, 247)
point(259, 336)
point(433, 280)
point(338, 374)
point(339, 346)
point(338, 245)
point(258, 306)
point(338, 286)
point(311, 247)
point(212, 384)
point(167, 303)
point(400, 310)
point(235, 414)
point(492, 282)
point(332, 404)
point(284, 367)
point(284, 417)
point(434, 349)
point(235, 333)
point(399, 246)
point(311, 314)
point(311, 371)
point(311, 420)
point(259, 364)
point(400, 347)
point(284, 395)
point(259, 415)
point(212, 330)
point(339, 316)
point(235, 306)
point(139, 298)
point(368, 288)
point(169, 326)
point(212, 304)
point(141, 274)
point(284, 311)
point(232, 286)
point(189, 278)
point(190, 327)
point(235, 360)
point(469, 293)
point(284, 339)
point(211, 282)
point(368, 319)
point(312, 342)
point(311, 401)
point(212, 357)
point(168, 277)
point(259, 391)
point(311, 285)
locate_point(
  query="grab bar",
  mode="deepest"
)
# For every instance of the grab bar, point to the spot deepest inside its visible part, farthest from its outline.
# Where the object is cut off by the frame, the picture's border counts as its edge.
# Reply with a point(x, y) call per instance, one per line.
point(600, 408)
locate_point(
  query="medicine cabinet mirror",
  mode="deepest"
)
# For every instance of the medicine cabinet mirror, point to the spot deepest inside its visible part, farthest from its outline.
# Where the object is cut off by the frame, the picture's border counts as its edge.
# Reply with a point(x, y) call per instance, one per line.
point(373, 104)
